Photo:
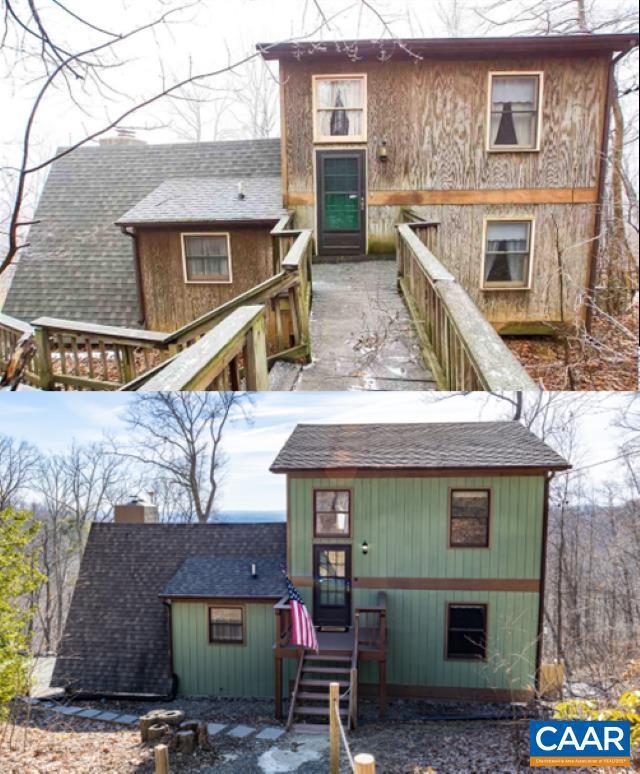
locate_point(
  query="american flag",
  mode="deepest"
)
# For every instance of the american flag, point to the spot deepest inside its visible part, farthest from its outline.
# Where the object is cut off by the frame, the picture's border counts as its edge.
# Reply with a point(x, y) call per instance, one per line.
point(302, 629)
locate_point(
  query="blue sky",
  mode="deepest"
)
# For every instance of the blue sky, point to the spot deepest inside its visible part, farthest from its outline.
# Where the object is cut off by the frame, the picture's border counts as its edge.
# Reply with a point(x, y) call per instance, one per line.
point(52, 420)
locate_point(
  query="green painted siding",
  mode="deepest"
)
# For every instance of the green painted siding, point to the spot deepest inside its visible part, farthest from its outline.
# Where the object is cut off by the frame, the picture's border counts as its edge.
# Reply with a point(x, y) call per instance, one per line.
point(405, 523)
point(206, 669)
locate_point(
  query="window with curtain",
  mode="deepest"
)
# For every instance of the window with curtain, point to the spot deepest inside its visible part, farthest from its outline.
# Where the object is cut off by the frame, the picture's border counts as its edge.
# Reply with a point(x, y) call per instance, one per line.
point(332, 512)
point(466, 631)
point(514, 111)
point(206, 257)
point(339, 108)
point(226, 625)
point(469, 518)
point(507, 254)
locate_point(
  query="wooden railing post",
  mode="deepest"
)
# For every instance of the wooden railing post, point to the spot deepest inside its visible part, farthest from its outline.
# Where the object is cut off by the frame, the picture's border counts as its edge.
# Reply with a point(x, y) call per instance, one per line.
point(43, 358)
point(161, 759)
point(364, 764)
point(257, 376)
point(334, 731)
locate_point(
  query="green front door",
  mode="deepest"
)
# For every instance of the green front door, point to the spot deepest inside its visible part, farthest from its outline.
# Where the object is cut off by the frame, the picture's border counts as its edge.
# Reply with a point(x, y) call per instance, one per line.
point(341, 202)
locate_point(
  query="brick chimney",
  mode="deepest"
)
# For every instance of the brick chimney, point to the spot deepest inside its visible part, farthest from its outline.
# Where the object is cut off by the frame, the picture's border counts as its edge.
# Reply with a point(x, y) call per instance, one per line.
point(122, 137)
point(136, 511)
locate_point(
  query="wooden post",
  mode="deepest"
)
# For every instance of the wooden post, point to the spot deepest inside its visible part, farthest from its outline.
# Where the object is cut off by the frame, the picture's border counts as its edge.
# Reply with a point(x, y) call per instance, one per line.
point(334, 731)
point(128, 364)
point(354, 698)
point(278, 684)
point(364, 764)
point(43, 359)
point(257, 377)
point(161, 759)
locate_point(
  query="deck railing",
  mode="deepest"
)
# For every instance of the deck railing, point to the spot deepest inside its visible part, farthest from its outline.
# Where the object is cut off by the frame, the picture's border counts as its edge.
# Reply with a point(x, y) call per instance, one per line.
point(463, 349)
point(83, 356)
point(370, 625)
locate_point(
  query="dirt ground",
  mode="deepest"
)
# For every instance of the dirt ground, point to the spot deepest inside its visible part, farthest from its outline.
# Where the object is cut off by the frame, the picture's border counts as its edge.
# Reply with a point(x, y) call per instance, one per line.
point(49, 743)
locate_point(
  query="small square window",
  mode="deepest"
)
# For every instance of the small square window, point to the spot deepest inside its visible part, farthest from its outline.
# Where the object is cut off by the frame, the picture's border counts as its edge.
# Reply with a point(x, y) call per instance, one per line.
point(469, 518)
point(332, 512)
point(514, 111)
point(226, 625)
point(507, 254)
point(206, 257)
point(339, 108)
point(466, 631)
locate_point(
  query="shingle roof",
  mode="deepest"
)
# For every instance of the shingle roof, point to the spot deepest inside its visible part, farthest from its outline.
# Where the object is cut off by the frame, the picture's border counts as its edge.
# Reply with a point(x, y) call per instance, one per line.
point(203, 576)
point(115, 637)
point(429, 446)
point(197, 200)
point(79, 265)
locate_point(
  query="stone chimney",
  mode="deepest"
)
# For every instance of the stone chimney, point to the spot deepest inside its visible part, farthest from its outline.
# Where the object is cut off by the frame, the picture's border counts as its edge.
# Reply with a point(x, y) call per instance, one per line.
point(136, 511)
point(122, 137)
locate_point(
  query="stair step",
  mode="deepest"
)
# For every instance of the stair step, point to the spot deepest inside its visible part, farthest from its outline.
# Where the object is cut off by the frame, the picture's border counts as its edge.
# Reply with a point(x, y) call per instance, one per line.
point(317, 695)
point(309, 728)
point(327, 657)
point(324, 683)
point(317, 711)
point(326, 670)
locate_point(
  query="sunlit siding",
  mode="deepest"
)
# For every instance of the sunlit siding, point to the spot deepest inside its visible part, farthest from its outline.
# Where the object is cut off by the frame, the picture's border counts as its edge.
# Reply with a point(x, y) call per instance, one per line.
point(204, 669)
point(405, 522)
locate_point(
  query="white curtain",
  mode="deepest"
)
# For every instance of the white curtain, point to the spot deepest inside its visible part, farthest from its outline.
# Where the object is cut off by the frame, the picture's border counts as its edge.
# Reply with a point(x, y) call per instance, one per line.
point(341, 92)
point(206, 256)
point(510, 97)
point(507, 251)
point(519, 91)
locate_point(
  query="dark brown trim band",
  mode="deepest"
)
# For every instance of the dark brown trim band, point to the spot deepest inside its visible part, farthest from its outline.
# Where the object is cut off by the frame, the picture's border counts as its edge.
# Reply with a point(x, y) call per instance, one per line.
point(437, 584)
point(414, 472)
point(449, 693)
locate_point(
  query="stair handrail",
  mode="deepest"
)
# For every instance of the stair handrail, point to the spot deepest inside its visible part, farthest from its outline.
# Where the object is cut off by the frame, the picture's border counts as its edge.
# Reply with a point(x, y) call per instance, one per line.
point(296, 688)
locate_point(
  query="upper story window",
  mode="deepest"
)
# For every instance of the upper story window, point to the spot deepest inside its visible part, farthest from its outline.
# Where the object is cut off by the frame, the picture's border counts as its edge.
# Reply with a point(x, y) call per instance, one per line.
point(339, 108)
point(206, 257)
point(466, 631)
point(508, 247)
point(514, 111)
point(226, 625)
point(469, 518)
point(332, 513)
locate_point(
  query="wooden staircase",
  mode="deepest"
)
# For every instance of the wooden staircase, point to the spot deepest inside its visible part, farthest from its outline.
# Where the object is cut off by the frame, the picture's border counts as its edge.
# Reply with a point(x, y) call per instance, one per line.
point(309, 708)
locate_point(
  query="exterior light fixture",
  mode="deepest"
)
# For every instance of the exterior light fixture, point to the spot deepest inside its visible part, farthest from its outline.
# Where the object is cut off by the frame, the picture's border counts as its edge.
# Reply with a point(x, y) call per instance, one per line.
point(383, 153)
point(365, 547)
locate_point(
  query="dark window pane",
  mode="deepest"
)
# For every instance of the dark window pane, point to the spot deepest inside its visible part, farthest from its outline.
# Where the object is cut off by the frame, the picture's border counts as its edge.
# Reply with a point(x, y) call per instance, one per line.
point(469, 532)
point(225, 624)
point(467, 644)
point(466, 617)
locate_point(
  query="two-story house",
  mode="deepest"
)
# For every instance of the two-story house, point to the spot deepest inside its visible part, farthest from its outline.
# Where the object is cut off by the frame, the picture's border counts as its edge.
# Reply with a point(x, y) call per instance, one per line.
point(419, 550)
point(500, 141)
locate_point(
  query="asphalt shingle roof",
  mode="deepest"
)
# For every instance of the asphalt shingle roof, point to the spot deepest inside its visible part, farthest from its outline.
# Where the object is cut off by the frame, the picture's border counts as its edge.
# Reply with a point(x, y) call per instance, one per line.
point(116, 636)
point(79, 265)
point(203, 576)
point(429, 446)
point(208, 199)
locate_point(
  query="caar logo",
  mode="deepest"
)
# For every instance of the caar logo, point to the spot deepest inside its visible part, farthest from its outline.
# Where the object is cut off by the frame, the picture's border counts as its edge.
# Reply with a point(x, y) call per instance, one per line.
point(580, 742)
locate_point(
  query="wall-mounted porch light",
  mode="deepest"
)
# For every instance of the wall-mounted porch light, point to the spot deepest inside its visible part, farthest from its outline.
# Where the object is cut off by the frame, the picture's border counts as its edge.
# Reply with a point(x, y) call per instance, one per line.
point(383, 153)
point(365, 547)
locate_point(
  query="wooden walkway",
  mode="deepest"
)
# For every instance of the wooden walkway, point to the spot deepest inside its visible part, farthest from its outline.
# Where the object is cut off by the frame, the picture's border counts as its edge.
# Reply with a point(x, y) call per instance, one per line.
point(362, 337)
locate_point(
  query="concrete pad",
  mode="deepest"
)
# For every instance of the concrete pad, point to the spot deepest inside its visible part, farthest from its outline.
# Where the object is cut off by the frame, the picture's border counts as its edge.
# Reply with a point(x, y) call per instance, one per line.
point(88, 713)
point(109, 716)
point(214, 728)
point(362, 337)
point(271, 733)
point(308, 748)
point(126, 720)
point(240, 732)
point(70, 710)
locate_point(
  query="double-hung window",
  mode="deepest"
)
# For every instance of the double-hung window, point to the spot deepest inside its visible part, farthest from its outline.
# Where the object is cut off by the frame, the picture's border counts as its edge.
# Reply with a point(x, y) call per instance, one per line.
point(332, 512)
point(469, 518)
point(339, 108)
point(508, 246)
point(466, 631)
point(226, 625)
point(207, 257)
point(514, 111)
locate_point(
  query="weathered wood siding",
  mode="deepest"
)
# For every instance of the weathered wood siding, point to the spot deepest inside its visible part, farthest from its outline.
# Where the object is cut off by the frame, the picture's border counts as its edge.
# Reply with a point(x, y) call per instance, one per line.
point(169, 301)
point(405, 523)
point(206, 669)
point(433, 116)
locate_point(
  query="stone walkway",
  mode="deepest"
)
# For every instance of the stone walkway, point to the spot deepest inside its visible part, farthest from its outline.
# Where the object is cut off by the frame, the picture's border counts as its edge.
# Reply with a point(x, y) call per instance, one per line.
point(362, 337)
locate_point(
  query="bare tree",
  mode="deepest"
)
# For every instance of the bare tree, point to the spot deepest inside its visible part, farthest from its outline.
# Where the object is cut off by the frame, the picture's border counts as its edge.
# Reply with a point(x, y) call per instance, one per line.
point(255, 106)
point(178, 437)
point(18, 466)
